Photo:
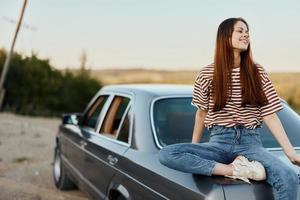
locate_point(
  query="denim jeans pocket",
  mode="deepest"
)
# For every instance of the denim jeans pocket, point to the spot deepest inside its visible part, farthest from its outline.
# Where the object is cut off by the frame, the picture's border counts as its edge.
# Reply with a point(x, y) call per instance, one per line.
point(217, 130)
point(253, 132)
point(254, 136)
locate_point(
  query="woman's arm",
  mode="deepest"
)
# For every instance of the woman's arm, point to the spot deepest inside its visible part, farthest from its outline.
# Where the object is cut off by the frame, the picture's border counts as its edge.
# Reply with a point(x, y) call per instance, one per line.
point(275, 126)
point(199, 125)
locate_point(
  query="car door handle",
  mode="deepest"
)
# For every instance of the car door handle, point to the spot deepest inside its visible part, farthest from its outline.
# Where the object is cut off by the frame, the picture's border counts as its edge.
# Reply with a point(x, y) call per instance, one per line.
point(112, 160)
point(82, 143)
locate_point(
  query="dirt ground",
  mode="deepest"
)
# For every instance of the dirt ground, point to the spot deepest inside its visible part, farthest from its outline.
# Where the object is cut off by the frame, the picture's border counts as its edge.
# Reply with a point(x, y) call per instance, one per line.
point(26, 154)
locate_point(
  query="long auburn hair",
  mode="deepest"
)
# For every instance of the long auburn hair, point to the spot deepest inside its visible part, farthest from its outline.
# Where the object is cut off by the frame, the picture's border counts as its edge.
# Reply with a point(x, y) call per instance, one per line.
point(252, 89)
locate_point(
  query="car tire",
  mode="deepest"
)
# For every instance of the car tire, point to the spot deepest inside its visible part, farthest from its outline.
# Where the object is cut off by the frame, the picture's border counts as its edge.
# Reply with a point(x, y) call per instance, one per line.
point(61, 179)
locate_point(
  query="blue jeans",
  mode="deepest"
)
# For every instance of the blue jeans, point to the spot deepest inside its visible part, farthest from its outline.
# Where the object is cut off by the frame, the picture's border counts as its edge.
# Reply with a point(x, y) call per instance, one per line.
point(224, 145)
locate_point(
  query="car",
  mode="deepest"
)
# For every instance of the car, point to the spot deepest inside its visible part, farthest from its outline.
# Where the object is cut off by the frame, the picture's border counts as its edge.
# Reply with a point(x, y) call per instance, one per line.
point(110, 150)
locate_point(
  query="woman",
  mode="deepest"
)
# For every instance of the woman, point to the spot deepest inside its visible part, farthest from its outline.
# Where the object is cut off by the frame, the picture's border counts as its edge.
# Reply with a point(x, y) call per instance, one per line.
point(234, 96)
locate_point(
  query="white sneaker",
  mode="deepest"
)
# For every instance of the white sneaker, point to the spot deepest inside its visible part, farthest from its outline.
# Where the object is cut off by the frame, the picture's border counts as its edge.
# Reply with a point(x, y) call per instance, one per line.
point(243, 169)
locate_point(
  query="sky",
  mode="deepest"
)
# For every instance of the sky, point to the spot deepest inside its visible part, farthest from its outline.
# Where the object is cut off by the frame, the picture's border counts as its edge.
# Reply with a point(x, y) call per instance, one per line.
point(151, 34)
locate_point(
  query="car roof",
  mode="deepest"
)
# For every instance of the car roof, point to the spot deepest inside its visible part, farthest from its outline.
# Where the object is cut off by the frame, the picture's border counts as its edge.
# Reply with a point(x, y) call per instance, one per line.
point(152, 88)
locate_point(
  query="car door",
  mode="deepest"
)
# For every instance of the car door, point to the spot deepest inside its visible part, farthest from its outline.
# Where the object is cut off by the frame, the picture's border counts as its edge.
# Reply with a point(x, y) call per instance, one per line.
point(77, 134)
point(104, 150)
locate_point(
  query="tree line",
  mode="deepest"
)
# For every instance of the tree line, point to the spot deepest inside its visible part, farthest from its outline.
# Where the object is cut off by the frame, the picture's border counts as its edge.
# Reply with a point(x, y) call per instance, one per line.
point(34, 87)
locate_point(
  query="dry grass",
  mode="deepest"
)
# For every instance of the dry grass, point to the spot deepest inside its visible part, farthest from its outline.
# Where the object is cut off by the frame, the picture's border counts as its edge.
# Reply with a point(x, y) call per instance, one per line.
point(143, 76)
point(286, 84)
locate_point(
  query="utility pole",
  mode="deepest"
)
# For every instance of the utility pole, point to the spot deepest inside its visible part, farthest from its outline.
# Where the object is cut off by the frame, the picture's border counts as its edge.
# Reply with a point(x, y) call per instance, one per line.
point(8, 56)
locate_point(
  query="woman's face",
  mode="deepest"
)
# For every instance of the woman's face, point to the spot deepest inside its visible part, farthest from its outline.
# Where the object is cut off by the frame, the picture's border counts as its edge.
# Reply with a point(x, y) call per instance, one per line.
point(240, 37)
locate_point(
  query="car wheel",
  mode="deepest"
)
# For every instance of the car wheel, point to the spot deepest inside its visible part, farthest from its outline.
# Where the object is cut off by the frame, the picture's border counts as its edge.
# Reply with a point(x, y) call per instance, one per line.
point(61, 179)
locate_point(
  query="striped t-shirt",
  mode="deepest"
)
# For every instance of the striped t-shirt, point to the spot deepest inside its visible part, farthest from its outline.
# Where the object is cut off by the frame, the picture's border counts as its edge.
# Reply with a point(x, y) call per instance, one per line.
point(233, 113)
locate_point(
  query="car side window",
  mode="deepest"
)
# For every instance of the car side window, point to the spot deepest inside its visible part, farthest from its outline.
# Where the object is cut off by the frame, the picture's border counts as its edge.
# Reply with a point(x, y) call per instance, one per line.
point(91, 117)
point(114, 116)
point(123, 134)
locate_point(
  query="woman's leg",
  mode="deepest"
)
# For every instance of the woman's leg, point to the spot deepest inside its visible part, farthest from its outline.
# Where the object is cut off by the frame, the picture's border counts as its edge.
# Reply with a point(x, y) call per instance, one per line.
point(222, 169)
point(280, 176)
point(200, 158)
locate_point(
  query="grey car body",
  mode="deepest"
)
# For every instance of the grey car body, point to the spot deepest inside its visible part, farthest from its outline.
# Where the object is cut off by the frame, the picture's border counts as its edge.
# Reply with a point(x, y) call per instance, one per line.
point(111, 152)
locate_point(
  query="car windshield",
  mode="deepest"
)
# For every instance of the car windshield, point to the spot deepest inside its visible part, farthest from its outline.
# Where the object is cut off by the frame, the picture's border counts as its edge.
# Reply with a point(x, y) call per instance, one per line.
point(173, 120)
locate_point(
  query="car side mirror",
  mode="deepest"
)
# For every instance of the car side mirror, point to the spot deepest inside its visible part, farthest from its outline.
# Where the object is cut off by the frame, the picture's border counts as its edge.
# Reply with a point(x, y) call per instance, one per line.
point(73, 118)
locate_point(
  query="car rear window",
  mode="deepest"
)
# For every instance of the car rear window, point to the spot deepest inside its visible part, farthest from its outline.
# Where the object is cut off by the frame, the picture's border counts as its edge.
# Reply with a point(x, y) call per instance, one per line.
point(173, 122)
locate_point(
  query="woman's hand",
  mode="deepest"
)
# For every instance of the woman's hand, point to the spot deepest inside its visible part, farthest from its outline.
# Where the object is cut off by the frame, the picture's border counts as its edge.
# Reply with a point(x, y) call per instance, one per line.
point(295, 159)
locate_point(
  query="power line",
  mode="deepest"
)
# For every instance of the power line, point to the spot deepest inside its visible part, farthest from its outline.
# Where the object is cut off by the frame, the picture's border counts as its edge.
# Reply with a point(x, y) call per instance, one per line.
point(23, 25)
